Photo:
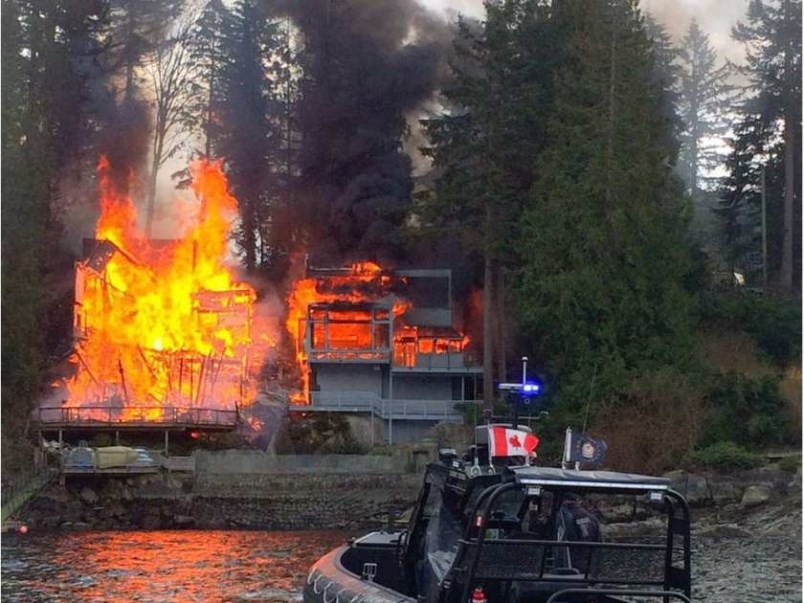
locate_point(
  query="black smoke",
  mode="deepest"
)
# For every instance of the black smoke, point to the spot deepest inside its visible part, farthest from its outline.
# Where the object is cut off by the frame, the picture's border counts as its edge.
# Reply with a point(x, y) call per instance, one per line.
point(368, 65)
point(125, 141)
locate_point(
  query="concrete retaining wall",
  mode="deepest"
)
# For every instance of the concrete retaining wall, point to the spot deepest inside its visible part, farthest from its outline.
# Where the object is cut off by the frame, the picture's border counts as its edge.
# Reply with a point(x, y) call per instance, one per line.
point(240, 489)
point(257, 462)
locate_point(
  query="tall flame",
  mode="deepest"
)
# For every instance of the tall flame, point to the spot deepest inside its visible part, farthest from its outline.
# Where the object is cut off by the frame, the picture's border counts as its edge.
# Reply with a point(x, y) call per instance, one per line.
point(162, 323)
point(346, 288)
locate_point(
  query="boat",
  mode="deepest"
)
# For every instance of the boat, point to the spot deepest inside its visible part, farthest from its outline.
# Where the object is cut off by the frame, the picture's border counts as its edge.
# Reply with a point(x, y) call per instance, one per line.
point(505, 531)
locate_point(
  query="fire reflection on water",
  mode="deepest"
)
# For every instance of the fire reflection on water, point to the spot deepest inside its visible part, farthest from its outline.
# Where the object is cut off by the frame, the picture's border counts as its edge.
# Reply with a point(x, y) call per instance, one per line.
point(160, 566)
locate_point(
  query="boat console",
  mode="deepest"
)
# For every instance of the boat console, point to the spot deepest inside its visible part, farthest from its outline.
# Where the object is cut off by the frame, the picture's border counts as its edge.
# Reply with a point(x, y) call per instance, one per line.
point(520, 534)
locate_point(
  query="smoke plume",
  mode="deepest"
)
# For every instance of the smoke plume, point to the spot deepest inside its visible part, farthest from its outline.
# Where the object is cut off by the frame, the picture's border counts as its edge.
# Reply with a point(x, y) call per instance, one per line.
point(368, 65)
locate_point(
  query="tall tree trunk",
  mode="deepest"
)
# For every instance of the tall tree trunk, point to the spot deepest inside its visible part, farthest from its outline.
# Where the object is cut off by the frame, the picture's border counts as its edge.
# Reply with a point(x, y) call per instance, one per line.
point(151, 198)
point(249, 239)
point(786, 268)
point(610, 134)
point(488, 331)
point(499, 319)
point(129, 60)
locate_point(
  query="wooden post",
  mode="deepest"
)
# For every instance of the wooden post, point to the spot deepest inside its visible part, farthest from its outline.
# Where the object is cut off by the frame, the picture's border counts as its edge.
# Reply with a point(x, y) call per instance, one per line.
point(167, 442)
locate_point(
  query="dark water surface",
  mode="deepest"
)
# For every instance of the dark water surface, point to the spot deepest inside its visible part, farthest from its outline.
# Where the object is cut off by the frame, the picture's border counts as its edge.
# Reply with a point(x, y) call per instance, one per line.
point(155, 566)
point(271, 567)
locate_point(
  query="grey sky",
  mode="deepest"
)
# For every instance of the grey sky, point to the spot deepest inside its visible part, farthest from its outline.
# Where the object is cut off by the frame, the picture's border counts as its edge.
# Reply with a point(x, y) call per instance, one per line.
point(716, 17)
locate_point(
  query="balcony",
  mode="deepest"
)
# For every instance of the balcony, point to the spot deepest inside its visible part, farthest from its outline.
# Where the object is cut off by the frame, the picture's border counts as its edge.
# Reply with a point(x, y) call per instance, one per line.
point(453, 362)
point(155, 417)
point(349, 356)
point(384, 408)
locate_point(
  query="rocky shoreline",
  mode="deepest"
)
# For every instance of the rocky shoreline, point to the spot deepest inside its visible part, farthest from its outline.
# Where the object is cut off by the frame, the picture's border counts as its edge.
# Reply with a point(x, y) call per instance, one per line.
point(169, 502)
point(746, 526)
point(314, 501)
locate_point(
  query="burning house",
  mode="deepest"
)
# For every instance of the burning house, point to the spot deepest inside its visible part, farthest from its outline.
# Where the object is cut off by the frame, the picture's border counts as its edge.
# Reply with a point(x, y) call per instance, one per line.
point(382, 342)
point(162, 329)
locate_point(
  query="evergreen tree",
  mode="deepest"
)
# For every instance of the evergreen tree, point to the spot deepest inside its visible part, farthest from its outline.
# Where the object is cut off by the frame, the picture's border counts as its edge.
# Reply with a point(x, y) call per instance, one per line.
point(603, 259)
point(666, 73)
point(706, 98)
point(772, 38)
point(485, 146)
point(45, 125)
point(755, 167)
point(137, 26)
point(208, 52)
point(248, 137)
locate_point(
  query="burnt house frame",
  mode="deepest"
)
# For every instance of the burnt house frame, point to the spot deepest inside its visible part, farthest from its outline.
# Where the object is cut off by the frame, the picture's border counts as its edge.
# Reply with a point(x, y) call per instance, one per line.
point(410, 371)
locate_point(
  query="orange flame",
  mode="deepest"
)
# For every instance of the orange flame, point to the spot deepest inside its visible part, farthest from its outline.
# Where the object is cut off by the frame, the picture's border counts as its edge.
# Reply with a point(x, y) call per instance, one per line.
point(162, 325)
point(350, 315)
point(342, 288)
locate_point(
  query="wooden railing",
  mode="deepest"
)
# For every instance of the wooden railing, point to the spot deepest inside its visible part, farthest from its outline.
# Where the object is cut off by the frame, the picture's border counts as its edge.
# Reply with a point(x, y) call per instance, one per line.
point(154, 415)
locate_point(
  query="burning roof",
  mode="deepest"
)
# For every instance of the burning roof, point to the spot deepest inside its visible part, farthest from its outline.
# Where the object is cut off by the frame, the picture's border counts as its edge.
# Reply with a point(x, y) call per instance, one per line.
point(160, 325)
point(361, 313)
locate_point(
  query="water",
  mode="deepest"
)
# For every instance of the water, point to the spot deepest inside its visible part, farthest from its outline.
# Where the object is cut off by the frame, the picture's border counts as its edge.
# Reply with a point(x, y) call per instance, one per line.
point(187, 566)
point(160, 566)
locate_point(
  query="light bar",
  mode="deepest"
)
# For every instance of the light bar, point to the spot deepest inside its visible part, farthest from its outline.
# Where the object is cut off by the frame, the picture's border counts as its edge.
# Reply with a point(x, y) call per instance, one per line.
point(528, 388)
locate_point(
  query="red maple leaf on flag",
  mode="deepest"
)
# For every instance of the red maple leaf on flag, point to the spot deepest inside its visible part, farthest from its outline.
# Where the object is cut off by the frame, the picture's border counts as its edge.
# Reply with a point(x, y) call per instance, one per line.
point(514, 441)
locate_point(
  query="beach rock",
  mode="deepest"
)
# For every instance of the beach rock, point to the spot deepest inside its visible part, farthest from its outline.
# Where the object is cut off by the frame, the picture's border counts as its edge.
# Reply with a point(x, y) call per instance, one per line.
point(183, 521)
point(725, 531)
point(694, 487)
point(88, 495)
point(774, 479)
point(794, 485)
point(724, 489)
point(755, 496)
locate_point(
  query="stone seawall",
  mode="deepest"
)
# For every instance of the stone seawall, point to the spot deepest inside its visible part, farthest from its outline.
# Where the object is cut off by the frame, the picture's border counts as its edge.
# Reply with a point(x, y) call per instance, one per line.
point(221, 501)
point(305, 501)
point(254, 490)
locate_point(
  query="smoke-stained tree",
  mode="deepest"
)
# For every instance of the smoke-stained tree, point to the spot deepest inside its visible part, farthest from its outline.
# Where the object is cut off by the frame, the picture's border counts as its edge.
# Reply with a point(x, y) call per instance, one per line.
point(754, 163)
point(136, 27)
point(484, 146)
point(771, 34)
point(173, 86)
point(208, 51)
point(248, 139)
point(365, 66)
point(603, 253)
point(706, 100)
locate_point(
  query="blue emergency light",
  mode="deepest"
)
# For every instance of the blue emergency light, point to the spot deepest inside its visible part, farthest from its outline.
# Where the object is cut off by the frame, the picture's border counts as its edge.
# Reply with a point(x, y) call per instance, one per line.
point(528, 388)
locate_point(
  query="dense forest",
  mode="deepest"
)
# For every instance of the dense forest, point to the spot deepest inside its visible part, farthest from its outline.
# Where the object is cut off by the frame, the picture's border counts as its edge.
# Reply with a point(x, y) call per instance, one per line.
point(629, 204)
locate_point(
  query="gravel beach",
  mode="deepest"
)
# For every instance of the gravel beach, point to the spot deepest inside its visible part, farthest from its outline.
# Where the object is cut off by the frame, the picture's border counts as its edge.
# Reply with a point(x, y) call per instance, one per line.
point(748, 556)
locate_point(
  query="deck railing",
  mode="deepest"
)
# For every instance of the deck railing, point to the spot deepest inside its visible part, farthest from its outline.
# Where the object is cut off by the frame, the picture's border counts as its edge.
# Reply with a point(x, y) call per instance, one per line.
point(394, 408)
point(153, 415)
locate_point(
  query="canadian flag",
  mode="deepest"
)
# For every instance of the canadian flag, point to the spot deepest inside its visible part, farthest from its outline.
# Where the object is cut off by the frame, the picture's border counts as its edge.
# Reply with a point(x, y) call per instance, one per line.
point(511, 442)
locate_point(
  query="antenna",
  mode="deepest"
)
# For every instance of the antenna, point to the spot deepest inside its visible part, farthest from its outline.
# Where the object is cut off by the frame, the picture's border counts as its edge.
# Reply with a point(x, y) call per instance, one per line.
point(589, 399)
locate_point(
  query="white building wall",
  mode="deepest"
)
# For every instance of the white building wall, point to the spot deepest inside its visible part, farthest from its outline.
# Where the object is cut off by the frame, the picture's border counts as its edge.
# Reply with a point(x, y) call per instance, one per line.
point(349, 378)
point(422, 387)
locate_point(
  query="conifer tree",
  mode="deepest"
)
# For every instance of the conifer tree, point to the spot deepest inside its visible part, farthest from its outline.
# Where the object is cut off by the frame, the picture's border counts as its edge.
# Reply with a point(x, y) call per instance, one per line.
point(248, 136)
point(603, 253)
point(706, 99)
point(45, 128)
point(751, 164)
point(772, 37)
point(209, 54)
point(485, 145)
